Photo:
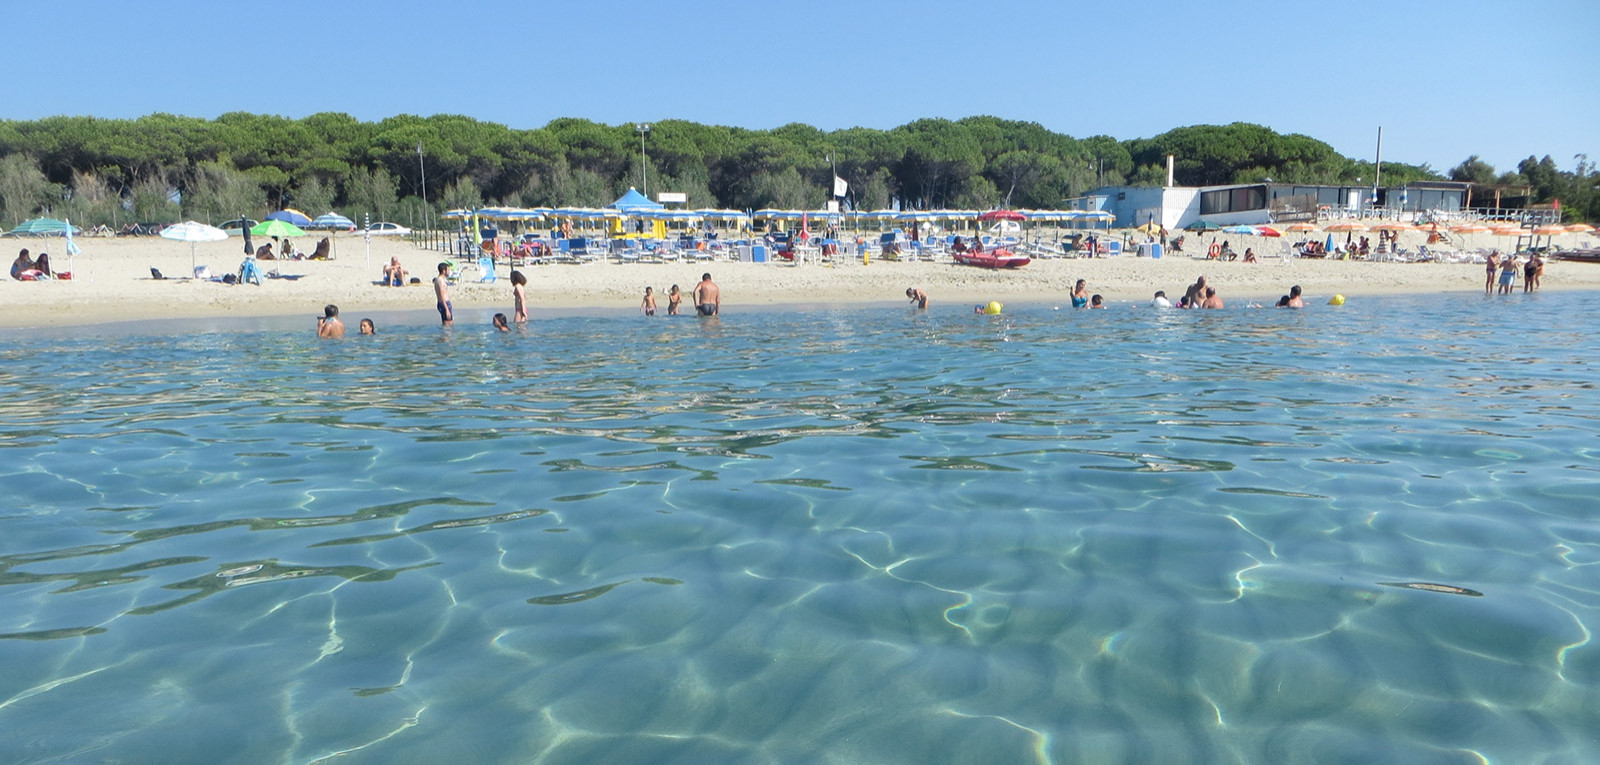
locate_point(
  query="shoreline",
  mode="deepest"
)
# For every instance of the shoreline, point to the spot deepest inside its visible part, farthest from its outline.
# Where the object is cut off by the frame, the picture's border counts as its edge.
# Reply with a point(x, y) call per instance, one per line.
point(113, 285)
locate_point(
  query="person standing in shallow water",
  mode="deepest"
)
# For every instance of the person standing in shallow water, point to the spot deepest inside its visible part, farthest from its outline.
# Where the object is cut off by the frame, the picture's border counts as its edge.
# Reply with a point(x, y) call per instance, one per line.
point(917, 296)
point(707, 296)
point(674, 298)
point(441, 293)
point(519, 295)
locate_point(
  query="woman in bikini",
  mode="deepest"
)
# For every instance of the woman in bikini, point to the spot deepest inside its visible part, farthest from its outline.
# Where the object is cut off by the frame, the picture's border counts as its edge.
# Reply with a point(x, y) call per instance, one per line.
point(1491, 265)
point(519, 293)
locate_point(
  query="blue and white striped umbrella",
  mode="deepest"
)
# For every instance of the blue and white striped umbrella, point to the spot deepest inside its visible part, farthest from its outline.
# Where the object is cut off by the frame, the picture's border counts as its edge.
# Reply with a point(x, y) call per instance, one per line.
point(332, 220)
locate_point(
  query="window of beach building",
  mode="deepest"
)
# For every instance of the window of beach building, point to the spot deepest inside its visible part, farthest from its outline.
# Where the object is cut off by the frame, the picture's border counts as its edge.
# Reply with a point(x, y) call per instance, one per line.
point(1233, 200)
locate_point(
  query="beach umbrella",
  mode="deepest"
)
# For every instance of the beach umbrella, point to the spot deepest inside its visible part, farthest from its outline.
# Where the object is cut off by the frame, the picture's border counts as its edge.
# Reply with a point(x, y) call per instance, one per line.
point(1301, 227)
point(1551, 229)
point(1469, 228)
point(333, 221)
point(1246, 230)
point(1392, 227)
point(1345, 226)
point(193, 232)
point(291, 216)
point(42, 227)
point(1328, 245)
point(72, 249)
point(274, 227)
point(1202, 226)
point(1002, 215)
point(1579, 228)
point(1267, 231)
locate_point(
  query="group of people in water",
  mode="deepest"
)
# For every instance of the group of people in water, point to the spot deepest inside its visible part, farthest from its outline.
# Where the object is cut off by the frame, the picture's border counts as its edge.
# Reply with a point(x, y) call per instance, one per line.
point(330, 325)
point(707, 301)
point(1502, 270)
point(1197, 295)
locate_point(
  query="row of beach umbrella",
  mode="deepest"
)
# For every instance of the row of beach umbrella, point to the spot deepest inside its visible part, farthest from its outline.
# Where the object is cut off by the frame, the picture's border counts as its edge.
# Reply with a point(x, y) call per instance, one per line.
point(537, 213)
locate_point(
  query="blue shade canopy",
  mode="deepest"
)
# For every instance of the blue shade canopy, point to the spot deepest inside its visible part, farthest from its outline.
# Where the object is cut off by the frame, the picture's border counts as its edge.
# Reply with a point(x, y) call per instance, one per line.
point(633, 201)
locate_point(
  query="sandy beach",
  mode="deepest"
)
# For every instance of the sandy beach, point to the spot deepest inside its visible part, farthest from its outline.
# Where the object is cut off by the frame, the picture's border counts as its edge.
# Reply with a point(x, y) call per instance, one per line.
point(112, 281)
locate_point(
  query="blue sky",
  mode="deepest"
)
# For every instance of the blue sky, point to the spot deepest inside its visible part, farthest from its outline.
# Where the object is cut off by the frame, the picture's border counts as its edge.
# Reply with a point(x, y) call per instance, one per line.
point(1444, 79)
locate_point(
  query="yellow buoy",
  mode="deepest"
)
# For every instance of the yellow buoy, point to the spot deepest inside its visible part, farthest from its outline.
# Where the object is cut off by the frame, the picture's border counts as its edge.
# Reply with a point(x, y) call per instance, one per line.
point(1336, 300)
point(993, 308)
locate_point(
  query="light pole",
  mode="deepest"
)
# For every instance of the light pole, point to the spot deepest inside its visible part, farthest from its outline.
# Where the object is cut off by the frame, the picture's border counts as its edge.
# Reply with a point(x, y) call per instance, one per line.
point(424, 170)
point(643, 129)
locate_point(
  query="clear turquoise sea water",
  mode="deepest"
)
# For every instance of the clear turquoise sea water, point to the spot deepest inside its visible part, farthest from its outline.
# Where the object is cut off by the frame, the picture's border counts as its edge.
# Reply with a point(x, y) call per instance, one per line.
point(861, 535)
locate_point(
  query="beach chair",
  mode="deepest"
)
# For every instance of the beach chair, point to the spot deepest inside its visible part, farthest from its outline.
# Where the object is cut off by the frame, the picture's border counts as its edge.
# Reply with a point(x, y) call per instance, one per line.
point(249, 272)
point(486, 266)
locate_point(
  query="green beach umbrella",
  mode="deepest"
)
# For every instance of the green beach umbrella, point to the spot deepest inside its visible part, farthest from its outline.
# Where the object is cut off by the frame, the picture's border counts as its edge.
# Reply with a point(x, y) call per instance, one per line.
point(1202, 226)
point(276, 228)
point(41, 227)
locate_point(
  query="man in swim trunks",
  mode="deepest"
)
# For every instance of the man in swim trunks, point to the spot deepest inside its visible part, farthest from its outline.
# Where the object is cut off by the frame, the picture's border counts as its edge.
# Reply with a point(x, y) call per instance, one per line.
point(441, 293)
point(1295, 301)
point(328, 324)
point(707, 296)
point(1508, 273)
point(917, 296)
point(394, 274)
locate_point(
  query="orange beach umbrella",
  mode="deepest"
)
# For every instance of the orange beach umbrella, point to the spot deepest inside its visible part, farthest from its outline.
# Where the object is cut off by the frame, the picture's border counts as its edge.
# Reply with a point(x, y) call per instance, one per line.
point(1551, 229)
point(1579, 228)
point(1301, 227)
point(1346, 225)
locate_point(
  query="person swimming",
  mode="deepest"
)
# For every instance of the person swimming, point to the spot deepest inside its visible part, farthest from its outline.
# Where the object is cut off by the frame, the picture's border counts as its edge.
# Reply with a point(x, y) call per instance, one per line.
point(1080, 294)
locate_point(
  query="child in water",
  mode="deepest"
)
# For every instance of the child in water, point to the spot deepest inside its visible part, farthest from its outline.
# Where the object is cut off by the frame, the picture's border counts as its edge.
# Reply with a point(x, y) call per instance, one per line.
point(673, 299)
point(649, 304)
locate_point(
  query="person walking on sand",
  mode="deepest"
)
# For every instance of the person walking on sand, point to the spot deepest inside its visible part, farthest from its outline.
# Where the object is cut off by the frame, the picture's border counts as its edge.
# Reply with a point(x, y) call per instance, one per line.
point(917, 296)
point(328, 324)
point(519, 296)
point(648, 305)
point(707, 296)
point(441, 294)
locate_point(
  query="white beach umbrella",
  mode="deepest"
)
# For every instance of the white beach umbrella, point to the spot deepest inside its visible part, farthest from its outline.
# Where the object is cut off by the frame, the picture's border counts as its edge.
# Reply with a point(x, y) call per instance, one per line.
point(193, 232)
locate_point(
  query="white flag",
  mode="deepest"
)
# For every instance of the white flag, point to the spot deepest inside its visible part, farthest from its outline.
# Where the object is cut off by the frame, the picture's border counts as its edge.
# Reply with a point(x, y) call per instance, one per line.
point(840, 188)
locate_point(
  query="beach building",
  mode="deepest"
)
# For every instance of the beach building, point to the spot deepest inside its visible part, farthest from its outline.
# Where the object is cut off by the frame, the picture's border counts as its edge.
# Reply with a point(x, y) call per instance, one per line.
point(1269, 202)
